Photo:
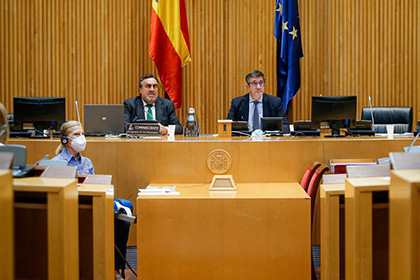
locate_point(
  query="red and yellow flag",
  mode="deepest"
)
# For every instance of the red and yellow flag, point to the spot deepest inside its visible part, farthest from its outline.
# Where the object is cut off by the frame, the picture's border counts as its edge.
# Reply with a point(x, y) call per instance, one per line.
point(169, 44)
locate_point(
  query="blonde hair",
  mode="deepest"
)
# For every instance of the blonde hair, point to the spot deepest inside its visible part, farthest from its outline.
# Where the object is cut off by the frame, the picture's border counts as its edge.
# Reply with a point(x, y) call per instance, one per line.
point(65, 131)
point(3, 122)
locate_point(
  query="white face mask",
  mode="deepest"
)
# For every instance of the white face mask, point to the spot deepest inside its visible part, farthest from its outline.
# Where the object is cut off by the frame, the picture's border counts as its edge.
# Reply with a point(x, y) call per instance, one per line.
point(78, 143)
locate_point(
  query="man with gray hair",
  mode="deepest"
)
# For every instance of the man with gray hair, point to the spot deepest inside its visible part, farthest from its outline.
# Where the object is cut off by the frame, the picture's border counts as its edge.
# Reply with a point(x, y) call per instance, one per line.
point(149, 106)
point(256, 104)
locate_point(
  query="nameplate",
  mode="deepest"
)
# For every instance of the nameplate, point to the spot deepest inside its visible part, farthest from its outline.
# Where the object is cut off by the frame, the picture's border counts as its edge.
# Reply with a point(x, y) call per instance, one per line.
point(143, 129)
point(222, 183)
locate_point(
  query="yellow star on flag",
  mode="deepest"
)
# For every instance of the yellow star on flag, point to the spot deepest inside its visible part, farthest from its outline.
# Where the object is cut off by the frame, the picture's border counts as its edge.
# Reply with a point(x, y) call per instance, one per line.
point(294, 33)
point(280, 9)
point(284, 26)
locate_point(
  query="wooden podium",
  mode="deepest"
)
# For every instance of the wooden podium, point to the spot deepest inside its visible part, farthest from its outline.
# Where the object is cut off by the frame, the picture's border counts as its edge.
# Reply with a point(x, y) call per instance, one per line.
point(263, 232)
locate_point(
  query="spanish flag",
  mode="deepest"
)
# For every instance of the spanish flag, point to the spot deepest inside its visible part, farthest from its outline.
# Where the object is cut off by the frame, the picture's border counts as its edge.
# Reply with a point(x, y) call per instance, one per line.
point(169, 44)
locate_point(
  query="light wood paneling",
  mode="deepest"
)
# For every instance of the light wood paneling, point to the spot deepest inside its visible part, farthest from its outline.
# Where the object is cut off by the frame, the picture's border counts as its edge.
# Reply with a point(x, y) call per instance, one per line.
point(59, 221)
point(95, 52)
point(200, 235)
point(6, 235)
point(404, 224)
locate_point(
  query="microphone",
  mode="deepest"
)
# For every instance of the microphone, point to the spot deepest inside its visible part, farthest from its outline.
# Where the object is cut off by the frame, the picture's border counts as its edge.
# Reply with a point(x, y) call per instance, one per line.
point(44, 158)
point(371, 110)
point(412, 143)
point(77, 110)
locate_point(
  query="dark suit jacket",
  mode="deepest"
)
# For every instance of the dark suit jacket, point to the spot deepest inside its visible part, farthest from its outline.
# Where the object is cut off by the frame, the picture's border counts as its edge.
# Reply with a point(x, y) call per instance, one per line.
point(165, 112)
point(272, 107)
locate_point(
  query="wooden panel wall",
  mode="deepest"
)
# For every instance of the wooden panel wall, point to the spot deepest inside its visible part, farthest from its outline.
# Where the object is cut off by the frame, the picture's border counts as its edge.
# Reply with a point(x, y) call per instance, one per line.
point(95, 51)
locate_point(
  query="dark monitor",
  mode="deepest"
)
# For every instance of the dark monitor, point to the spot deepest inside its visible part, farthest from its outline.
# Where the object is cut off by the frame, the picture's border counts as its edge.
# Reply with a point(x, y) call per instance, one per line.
point(338, 111)
point(240, 126)
point(272, 125)
point(39, 113)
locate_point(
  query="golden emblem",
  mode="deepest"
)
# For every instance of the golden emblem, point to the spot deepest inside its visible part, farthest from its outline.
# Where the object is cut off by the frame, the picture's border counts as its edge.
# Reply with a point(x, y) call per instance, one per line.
point(219, 161)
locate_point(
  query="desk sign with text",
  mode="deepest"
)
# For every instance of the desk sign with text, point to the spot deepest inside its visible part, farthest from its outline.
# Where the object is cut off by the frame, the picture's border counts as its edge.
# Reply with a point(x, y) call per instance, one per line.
point(143, 129)
point(222, 183)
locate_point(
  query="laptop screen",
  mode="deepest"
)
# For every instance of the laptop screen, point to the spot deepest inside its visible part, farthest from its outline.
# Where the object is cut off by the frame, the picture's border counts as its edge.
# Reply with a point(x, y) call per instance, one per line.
point(104, 119)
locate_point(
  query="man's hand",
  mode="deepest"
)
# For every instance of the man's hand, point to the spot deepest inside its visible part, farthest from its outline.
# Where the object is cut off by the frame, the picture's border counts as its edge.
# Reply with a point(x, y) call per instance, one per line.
point(164, 129)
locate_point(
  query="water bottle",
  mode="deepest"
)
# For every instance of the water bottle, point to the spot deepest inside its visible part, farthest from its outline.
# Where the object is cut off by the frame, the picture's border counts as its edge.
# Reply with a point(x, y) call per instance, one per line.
point(191, 124)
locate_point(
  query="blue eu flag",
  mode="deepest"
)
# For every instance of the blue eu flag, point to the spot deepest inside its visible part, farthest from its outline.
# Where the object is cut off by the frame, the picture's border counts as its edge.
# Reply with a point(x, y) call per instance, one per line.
point(289, 49)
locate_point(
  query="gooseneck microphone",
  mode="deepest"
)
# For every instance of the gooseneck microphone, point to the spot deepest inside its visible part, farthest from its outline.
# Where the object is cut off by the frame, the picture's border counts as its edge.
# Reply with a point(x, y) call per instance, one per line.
point(77, 110)
point(371, 110)
point(412, 143)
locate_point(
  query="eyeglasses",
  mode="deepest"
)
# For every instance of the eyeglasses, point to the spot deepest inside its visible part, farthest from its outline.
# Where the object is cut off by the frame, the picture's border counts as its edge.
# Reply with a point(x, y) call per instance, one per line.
point(255, 84)
point(149, 86)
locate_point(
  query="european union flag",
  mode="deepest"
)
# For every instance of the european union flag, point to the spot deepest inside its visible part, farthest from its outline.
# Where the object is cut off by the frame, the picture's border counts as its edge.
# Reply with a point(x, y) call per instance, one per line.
point(289, 49)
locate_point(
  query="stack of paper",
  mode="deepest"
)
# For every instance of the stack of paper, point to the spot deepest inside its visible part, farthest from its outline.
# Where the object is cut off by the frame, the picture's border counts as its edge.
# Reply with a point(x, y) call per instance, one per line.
point(151, 190)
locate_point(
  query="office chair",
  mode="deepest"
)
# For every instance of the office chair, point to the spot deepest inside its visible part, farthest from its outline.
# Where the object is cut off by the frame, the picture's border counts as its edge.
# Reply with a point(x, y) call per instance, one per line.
point(313, 192)
point(400, 117)
point(307, 176)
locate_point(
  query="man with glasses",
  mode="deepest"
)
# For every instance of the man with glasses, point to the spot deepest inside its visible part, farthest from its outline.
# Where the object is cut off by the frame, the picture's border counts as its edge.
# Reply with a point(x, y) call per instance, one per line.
point(150, 107)
point(256, 104)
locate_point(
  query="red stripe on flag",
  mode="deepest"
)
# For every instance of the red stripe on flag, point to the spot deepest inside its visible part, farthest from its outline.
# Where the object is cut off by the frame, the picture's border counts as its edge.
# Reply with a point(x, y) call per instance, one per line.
point(166, 59)
point(184, 24)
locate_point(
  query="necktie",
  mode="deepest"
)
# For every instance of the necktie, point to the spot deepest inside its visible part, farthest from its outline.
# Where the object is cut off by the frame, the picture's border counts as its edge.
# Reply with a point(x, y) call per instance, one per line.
point(149, 113)
point(256, 117)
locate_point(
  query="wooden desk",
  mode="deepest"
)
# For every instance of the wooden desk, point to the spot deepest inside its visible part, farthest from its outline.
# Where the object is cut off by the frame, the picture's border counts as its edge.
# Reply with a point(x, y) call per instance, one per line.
point(358, 215)
point(404, 200)
point(96, 226)
point(46, 228)
point(330, 230)
point(174, 161)
point(6, 221)
point(262, 232)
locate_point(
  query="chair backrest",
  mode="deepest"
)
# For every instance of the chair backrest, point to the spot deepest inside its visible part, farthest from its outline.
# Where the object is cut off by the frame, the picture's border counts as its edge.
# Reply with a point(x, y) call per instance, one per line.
point(368, 171)
point(328, 179)
point(308, 174)
point(316, 179)
point(405, 160)
point(314, 185)
point(19, 152)
point(400, 117)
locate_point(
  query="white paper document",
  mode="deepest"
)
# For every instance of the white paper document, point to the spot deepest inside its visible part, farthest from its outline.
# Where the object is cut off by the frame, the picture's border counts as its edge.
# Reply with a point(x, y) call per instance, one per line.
point(152, 190)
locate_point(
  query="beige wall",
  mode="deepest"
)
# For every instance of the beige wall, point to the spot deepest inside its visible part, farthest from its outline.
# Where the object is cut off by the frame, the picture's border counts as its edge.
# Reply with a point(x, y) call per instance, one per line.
point(95, 51)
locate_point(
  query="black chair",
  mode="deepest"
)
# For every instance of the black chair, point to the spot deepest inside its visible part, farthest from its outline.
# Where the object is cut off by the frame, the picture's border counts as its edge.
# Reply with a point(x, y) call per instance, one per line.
point(400, 117)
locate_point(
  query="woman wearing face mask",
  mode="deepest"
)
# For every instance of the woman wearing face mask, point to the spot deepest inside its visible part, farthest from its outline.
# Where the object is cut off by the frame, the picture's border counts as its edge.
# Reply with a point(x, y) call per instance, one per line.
point(72, 143)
